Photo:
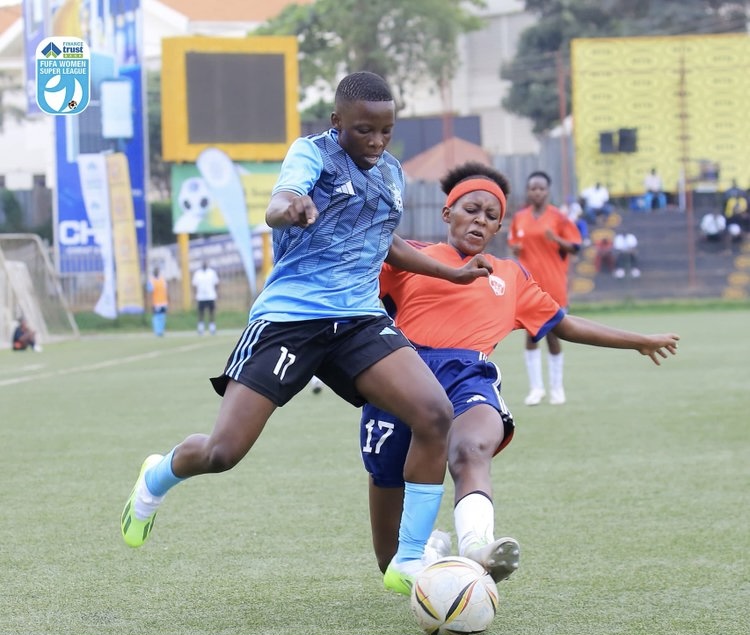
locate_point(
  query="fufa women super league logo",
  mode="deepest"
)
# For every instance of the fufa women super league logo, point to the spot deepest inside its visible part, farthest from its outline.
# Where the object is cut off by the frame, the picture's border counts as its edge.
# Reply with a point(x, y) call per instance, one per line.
point(63, 75)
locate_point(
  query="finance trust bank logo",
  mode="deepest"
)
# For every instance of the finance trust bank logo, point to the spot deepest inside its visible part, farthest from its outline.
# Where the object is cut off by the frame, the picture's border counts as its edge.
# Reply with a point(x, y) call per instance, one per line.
point(63, 75)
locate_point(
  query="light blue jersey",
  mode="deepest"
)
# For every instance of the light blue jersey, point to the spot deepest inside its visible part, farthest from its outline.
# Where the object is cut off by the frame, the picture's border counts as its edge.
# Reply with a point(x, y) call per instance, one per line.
point(331, 269)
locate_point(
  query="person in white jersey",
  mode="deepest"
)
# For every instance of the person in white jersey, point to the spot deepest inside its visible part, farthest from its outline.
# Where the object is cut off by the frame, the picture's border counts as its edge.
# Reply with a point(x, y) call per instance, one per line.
point(206, 284)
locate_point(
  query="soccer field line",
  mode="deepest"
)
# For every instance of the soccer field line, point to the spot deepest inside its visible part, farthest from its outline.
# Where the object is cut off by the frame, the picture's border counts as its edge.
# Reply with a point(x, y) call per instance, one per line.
point(100, 365)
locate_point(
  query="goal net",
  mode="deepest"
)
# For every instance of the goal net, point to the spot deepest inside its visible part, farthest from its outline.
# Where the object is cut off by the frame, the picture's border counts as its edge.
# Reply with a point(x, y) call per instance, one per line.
point(29, 287)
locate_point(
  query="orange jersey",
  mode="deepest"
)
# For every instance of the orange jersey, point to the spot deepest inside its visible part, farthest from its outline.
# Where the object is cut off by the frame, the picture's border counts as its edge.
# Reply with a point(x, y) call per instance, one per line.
point(440, 314)
point(159, 294)
point(541, 256)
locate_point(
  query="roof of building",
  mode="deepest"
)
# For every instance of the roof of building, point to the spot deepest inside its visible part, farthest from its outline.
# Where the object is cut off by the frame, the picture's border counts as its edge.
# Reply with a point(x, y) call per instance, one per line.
point(434, 162)
point(8, 15)
point(230, 10)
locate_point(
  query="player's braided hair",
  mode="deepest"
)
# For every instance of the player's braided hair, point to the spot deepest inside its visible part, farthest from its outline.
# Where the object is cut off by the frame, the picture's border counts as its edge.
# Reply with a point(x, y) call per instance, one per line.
point(472, 170)
point(363, 86)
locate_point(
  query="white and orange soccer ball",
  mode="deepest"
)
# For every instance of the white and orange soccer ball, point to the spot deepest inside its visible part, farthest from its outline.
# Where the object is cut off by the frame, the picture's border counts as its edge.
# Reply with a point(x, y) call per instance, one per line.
point(454, 595)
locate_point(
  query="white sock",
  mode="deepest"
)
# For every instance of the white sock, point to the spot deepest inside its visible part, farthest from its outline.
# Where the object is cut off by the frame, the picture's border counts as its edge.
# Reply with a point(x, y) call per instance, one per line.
point(555, 363)
point(201, 328)
point(145, 502)
point(534, 368)
point(211, 328)
point(474, 517)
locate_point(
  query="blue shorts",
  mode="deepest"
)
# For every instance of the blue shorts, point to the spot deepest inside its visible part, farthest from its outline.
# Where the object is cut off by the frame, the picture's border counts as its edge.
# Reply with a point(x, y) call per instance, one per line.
point(469, 380)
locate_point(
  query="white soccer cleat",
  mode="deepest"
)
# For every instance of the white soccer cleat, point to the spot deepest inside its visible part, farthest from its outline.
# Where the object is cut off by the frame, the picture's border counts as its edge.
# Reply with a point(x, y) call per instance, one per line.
point(534, 398)
point(438, 546)
point(557, 396)
point(500, 557)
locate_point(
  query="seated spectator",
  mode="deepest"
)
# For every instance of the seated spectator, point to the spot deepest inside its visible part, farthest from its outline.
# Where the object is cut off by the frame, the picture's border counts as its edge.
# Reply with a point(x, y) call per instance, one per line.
point(714, 227)
point(604, 260)
point(626, 255)
point(24, 338)
point(736, 211)
point(654, 191)
point(596, 203)
point(574, 210)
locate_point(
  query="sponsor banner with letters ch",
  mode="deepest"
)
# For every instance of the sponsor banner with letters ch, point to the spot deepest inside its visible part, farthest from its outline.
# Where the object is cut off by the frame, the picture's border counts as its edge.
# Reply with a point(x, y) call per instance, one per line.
point(84, 58)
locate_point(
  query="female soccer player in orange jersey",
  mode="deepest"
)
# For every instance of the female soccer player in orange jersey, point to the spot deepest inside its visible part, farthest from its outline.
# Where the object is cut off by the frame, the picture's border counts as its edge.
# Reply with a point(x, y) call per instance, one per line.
point(455, 329)
point(543, 239)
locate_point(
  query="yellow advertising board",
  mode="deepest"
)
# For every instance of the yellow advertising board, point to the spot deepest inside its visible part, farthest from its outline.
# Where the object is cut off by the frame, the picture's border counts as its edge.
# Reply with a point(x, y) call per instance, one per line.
point(661, 102)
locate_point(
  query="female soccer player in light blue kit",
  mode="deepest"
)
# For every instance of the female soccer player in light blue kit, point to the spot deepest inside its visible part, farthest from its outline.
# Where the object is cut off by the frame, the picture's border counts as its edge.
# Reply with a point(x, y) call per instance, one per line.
point(333, 211)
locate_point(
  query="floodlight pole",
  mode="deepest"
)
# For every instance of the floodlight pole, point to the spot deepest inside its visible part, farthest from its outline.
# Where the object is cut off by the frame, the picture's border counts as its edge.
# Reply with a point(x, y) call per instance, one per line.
point(685, 147)
point(562, 105)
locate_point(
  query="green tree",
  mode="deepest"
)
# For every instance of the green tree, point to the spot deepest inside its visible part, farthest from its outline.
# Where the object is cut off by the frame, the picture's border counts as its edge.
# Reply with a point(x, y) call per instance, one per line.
point(543, 47)
point(11, 213)
point(401, 41)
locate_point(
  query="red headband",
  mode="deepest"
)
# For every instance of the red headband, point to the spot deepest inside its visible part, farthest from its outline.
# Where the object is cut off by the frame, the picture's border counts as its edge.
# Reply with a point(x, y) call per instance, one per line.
point(472, 185)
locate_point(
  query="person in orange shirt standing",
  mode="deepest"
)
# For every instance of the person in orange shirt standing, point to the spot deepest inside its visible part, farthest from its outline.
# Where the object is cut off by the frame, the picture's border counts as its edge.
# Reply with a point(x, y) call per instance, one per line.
point(157, 287)
point(543, 239)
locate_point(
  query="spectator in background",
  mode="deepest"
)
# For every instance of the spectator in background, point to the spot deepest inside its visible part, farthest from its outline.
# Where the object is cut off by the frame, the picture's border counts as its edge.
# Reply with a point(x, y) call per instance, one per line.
point(596, 203)
point(736, 211)
point(654, 191)
point(24, 338)
point(604, 260)
point(714, 227)
point(157, 288)
point(206, 283)
point(574, 209)
point(626, 255)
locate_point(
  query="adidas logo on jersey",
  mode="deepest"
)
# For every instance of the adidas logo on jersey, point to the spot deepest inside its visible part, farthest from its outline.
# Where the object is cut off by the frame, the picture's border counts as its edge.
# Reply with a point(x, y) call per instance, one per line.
point(346, 188)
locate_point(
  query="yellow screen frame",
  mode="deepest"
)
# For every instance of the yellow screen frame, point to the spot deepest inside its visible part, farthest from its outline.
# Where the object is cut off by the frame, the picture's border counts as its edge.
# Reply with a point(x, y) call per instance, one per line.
point(176, 146)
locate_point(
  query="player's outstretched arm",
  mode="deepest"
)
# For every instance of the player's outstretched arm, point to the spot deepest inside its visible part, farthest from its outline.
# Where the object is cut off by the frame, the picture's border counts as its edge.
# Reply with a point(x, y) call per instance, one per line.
point(403, 256)
point(288, 208)
point(581, 331)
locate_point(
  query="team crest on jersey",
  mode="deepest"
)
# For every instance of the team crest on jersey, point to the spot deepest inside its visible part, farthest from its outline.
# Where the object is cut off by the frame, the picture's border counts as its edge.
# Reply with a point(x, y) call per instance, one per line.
point(497, 285)
point(398, 203)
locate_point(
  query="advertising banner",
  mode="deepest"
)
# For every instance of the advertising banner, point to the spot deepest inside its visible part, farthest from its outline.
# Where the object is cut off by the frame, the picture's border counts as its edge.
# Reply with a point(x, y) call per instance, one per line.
point(218, 196)
point(112, 30)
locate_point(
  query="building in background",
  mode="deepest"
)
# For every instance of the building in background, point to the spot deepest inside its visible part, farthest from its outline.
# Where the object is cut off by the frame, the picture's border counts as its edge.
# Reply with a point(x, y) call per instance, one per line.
point(476, 91)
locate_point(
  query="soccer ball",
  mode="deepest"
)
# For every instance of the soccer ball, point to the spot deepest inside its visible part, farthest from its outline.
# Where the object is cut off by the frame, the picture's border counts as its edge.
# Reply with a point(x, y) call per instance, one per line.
point(454, 595)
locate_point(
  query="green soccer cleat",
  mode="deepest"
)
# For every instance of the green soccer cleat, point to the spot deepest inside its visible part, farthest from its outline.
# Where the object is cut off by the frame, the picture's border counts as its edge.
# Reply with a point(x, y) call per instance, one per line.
point(136, 531)
point(399, 577)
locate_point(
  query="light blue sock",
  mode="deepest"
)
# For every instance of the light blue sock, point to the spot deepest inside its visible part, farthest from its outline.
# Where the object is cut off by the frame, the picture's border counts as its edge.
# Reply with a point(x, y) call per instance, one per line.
point(421, 505)
point(160, 478)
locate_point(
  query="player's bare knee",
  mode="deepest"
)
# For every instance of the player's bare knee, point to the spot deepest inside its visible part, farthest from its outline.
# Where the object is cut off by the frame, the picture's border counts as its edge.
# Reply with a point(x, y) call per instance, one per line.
point(434, 419)
point(466, 452)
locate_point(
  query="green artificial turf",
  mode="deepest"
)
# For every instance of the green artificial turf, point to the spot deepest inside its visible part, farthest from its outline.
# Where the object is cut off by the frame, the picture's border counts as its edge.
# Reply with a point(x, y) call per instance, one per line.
point(631, 502)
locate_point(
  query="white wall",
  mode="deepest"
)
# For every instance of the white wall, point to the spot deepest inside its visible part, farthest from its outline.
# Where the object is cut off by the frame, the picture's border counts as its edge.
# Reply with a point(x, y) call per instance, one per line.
point(477, 88)
point(26, 147)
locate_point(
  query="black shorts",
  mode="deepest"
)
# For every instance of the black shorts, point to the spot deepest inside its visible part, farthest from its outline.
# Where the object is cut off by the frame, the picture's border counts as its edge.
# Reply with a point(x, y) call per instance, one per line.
point(278, 359)
point(206, 305)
